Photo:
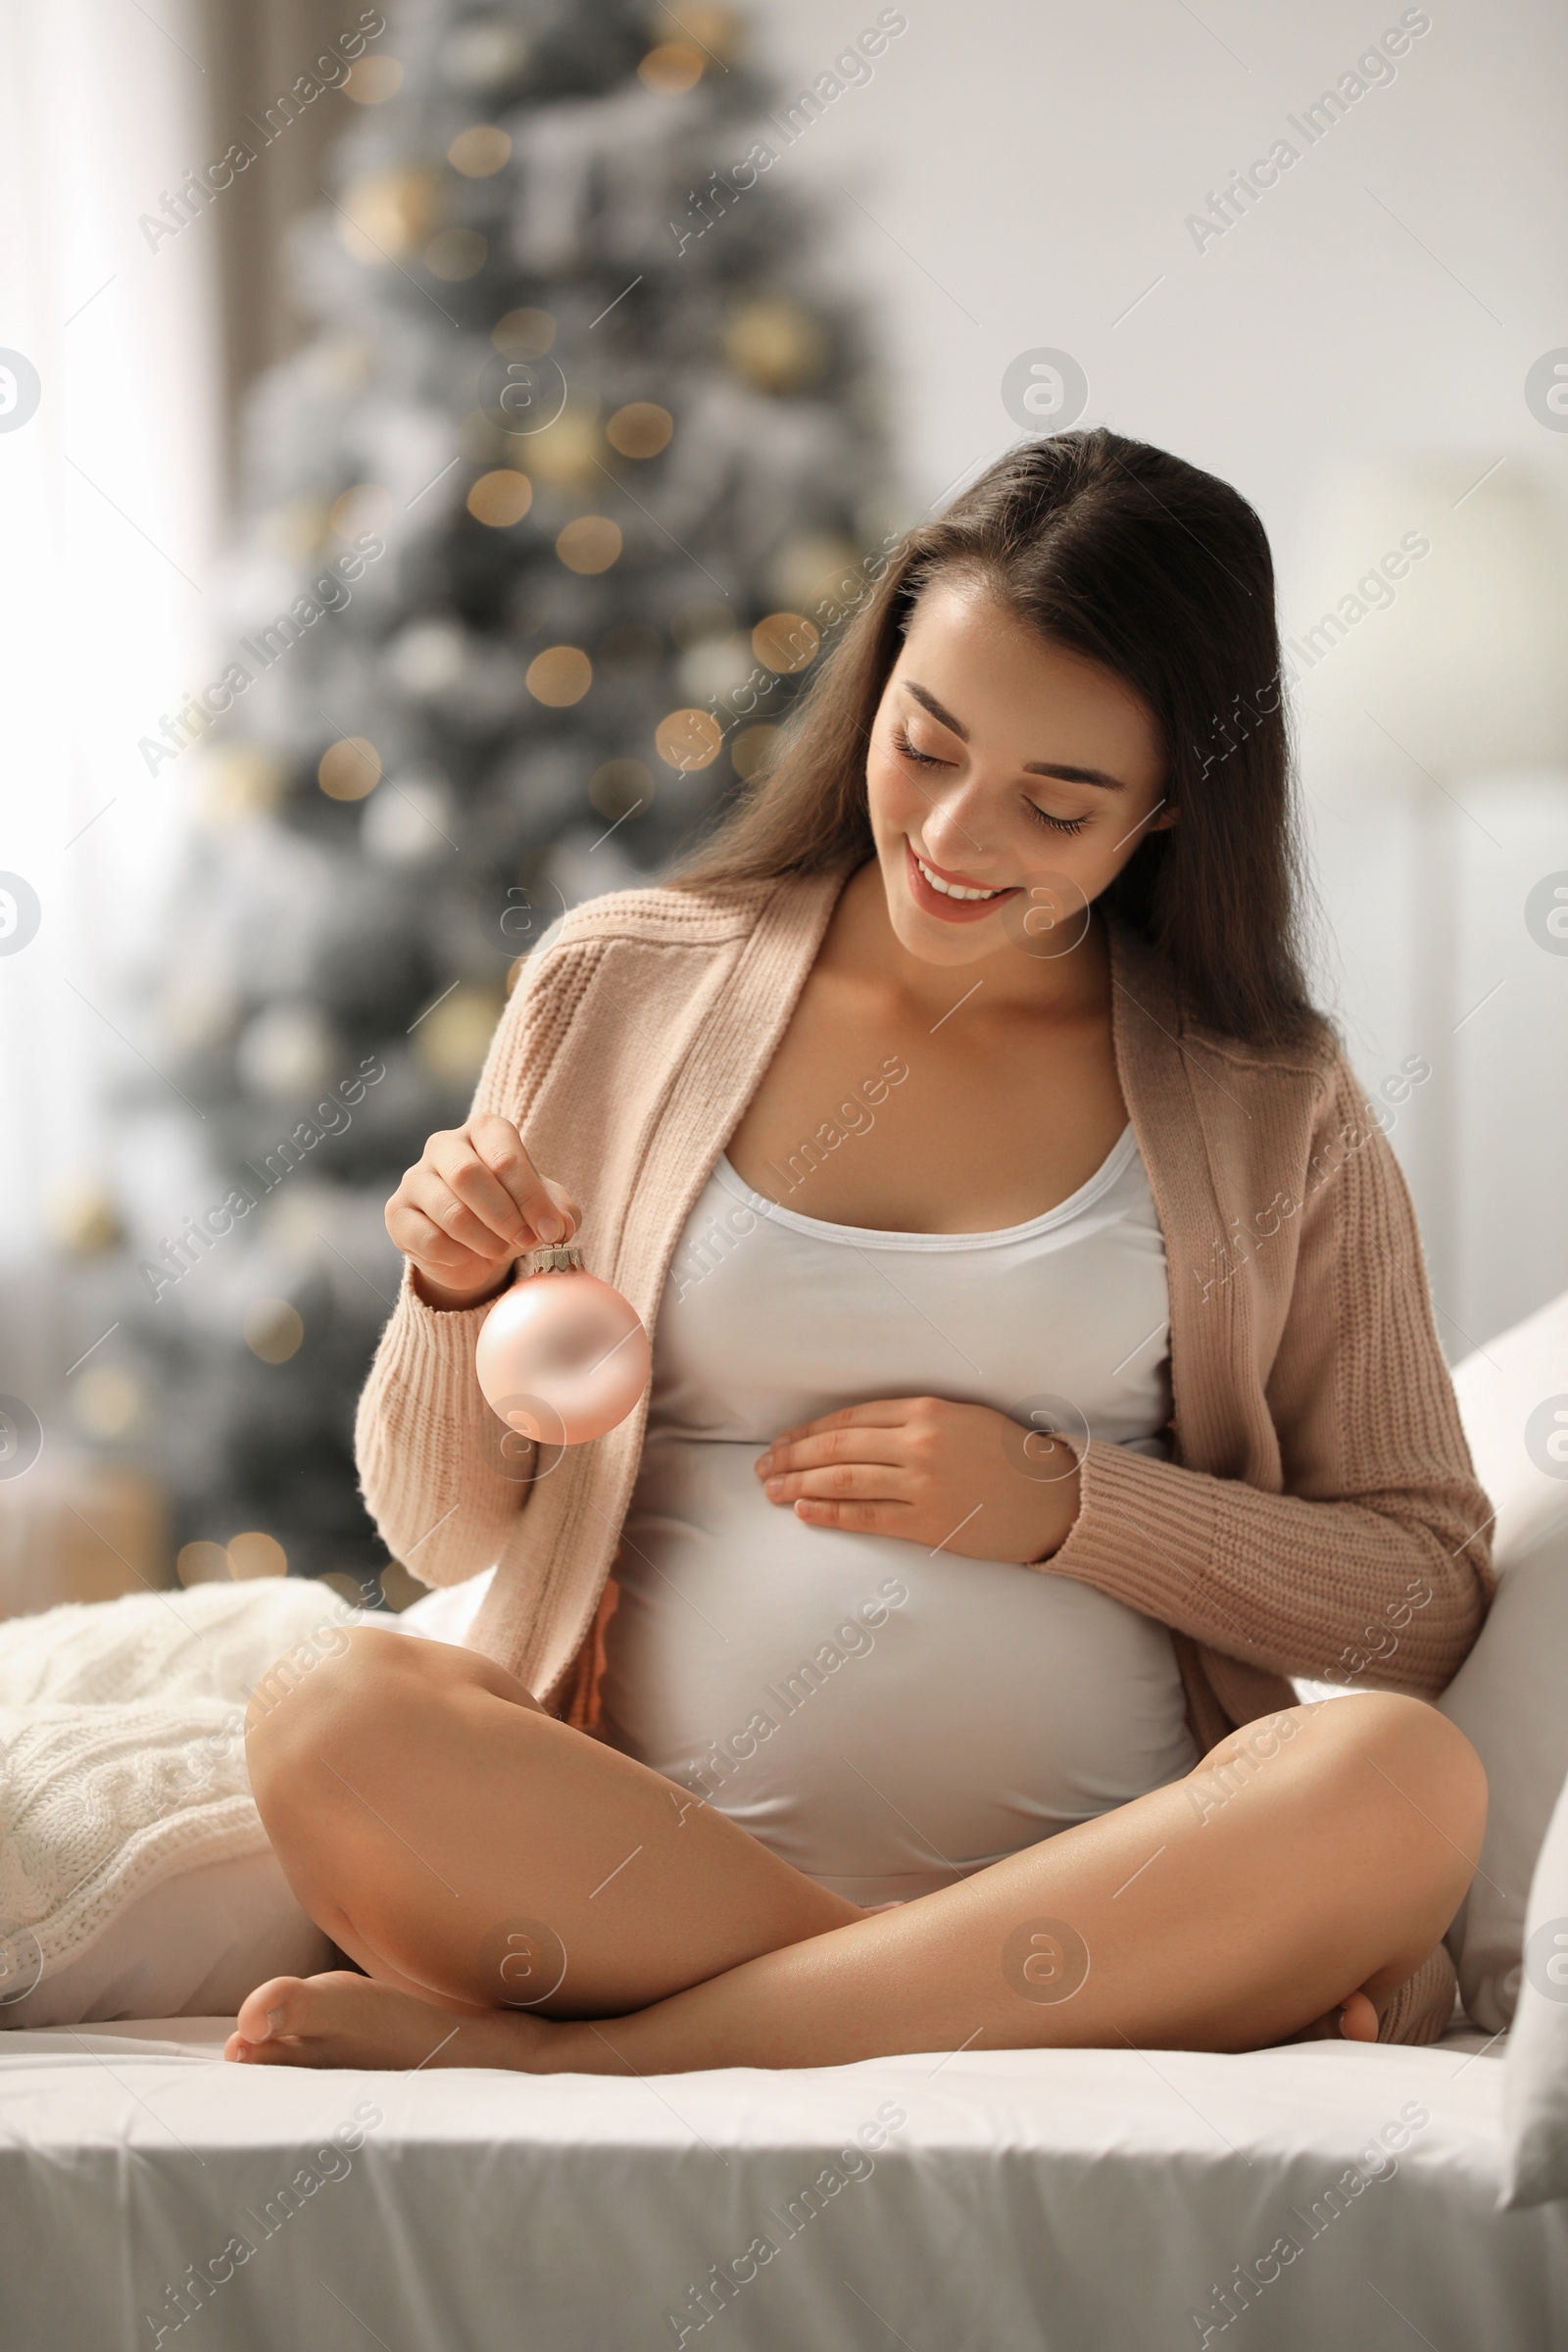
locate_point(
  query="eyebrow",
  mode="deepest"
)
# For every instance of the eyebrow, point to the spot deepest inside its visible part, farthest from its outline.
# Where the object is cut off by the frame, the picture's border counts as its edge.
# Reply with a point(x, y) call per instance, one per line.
point(1031, 768)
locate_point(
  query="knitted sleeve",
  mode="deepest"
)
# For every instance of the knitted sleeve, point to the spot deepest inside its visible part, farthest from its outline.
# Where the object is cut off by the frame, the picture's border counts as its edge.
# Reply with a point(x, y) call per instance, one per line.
point(444, 1494)
point(1372, 1565)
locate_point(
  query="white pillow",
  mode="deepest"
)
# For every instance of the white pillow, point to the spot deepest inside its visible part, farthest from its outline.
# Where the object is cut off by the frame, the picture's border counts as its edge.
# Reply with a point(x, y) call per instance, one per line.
point(1534, 2090)
point(1509, 1392)
point(191, 1946)
point(1506, 1695)
point(445, 1614)
point(161, 1941)
point(195, 1944)
point(1507, 1698)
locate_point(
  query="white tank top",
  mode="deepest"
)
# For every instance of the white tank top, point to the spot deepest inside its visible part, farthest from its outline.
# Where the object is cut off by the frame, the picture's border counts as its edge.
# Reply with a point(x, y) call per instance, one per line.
point(885, 1719)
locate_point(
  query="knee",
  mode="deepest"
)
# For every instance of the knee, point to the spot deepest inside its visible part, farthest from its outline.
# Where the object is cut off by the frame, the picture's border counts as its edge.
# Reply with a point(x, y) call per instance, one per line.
point(329, 1698)
point(1402, 1761)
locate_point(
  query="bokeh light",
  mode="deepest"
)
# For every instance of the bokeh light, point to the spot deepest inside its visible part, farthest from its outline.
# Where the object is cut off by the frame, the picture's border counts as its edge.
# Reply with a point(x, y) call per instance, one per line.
point(480, 149)
point(349, 769)
point(501, 499)
point(688, 739)
point(590, 543)
point(641, 429)
point(559, 676)
point(256, 1555)
point(273, 1330)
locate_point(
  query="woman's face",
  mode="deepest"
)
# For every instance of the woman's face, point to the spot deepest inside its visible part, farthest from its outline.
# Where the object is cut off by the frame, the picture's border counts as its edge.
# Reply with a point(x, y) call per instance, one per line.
point(1003, 763)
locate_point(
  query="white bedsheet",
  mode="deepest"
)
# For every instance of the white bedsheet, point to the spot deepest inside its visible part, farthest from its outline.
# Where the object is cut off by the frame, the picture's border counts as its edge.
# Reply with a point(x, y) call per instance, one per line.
point(1084, 2201)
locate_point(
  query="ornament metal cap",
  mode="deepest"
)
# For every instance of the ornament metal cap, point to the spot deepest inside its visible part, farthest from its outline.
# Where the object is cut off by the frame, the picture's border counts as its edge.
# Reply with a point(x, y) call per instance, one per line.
point(559, 1258)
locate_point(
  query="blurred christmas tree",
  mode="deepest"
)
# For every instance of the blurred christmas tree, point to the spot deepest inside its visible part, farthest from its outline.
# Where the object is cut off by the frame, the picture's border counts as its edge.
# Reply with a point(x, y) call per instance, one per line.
point(536, 524)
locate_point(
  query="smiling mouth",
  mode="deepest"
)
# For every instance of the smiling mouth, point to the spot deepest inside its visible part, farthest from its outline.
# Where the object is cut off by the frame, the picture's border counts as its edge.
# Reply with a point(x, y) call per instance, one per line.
point(967, 893)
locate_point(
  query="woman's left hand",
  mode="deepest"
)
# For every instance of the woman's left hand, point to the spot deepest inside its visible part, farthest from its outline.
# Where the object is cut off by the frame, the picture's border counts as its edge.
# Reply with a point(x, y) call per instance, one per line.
point(957, 1478)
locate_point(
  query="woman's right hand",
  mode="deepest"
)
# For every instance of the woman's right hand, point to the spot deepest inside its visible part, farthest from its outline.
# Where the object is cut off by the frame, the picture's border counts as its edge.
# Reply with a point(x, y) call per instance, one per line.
point(470, 1207)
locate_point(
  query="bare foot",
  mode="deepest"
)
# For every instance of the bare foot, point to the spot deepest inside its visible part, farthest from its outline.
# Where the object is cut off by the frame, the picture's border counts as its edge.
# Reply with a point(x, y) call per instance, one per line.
point(1354, 2019)
point(346, 2020)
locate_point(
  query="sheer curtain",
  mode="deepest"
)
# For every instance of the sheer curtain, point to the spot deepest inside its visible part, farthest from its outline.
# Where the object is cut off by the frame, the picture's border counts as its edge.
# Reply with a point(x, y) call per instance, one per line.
point(109, 498)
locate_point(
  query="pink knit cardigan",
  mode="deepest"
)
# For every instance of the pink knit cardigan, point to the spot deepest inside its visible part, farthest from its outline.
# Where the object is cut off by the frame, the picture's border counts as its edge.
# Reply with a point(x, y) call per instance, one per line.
point(1320, 1515)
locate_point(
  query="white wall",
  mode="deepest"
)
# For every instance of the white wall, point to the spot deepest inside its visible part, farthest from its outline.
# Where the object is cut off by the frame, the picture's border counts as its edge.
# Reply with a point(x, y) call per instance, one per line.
point(109, 498)
point(1016, 175)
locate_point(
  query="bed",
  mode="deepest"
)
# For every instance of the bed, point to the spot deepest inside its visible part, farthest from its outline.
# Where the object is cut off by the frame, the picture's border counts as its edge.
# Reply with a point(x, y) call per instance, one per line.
point(1363, 2196)
point(1085, 2201)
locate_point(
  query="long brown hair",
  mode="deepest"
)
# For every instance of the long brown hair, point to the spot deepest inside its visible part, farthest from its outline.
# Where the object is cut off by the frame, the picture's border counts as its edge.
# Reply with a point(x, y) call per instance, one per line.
point(1163, 575)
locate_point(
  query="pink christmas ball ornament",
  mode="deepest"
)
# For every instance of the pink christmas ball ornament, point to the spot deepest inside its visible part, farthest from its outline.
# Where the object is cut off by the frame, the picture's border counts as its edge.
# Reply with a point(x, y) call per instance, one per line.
point(562, 1357)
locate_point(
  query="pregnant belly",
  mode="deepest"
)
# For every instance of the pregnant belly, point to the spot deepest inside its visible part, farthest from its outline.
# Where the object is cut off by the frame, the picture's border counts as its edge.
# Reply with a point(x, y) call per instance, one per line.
point(885, 1721)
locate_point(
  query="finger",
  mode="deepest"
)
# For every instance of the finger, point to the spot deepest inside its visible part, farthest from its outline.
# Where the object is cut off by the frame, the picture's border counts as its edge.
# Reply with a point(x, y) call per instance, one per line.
point(426, 1244)
point(569, 1209)
point(855, 1518)
point(416, 1236)
point(424, 1189)
point(863, 1444)
point(505, 1158)
point(860, 1482)
point(884, 1412)
point(456, 1161)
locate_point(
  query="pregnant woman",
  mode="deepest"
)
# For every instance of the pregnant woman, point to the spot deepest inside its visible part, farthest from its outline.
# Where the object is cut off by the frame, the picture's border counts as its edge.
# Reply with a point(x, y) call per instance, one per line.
point(1043, 1370)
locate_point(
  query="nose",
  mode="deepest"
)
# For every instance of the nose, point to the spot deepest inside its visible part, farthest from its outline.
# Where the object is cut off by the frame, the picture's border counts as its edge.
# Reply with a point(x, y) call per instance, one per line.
point(954, 830)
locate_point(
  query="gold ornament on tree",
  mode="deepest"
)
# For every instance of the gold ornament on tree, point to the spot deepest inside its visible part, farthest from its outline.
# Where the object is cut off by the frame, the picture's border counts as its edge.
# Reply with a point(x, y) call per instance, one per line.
point(387, 214)
point(776, 344)
point(82, 1218)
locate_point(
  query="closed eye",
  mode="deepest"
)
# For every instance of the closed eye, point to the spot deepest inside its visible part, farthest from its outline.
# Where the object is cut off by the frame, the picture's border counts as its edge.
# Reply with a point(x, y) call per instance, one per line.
point(1058, 825)
point(906, 751)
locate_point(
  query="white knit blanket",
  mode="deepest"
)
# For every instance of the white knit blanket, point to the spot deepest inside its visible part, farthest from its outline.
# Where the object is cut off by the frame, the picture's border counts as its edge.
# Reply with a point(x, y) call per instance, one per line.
point(122, 1748)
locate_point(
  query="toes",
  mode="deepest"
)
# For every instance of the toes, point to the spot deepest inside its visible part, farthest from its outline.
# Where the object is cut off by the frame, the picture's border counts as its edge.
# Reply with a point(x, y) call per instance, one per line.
point(1358, 2019)
point(1354, 2018)
point(286, 2020)
point(269, 2012)
point(241, 2052)
point(342, 2019)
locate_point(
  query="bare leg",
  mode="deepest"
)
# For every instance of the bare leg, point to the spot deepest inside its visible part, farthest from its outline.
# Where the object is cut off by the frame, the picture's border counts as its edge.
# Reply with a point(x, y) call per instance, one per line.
point(1226, 1912)
point(428, 1814)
